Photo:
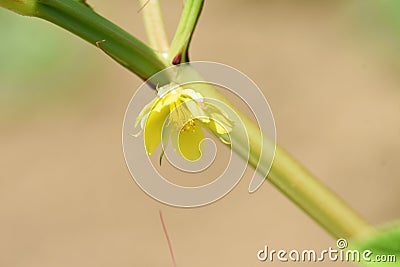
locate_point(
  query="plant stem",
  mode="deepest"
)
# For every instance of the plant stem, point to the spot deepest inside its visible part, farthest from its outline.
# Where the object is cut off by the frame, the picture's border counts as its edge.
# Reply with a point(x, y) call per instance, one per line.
point(178, 52)
point(154, 24)
point(120, 45)
point(23, 7)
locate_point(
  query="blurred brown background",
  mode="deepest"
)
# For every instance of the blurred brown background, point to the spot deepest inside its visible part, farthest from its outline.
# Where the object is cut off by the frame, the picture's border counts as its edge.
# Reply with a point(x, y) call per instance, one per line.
point(330, 70)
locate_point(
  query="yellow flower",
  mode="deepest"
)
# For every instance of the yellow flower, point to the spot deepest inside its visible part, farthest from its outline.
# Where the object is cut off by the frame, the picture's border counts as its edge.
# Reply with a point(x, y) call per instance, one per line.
point(183, 113)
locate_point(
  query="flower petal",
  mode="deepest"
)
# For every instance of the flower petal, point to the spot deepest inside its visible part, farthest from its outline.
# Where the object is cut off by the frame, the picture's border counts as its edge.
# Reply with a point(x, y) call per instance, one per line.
point(168, 99)
point(194, 108)
point(143, 121)
point(193, 94)
point(220, 124)
point(145, 111)
point(164, 90)
point(190, 137)
point(218, 121)
point(153, 128)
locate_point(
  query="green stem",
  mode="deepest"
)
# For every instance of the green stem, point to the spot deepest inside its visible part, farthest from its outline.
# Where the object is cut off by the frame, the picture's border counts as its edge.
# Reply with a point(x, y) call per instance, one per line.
point(117, 43)
point(23, 7)
point(154, 24)
point(178, 52)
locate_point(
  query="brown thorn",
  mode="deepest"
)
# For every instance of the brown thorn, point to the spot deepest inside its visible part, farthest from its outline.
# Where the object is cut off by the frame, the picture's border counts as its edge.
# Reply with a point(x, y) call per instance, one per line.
point(144, 5)
point(171, 252)
point(86, 4)
point(99, 42)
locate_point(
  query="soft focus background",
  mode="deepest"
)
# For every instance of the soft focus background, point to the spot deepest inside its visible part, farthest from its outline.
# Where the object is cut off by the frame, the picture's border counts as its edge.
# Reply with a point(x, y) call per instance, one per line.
point(330, 70)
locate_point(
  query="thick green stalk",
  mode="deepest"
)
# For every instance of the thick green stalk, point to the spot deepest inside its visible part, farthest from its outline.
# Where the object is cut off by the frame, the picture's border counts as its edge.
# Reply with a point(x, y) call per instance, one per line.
point(81, 20)
point(154, 24)
point(23, 7)
point(178, 52)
